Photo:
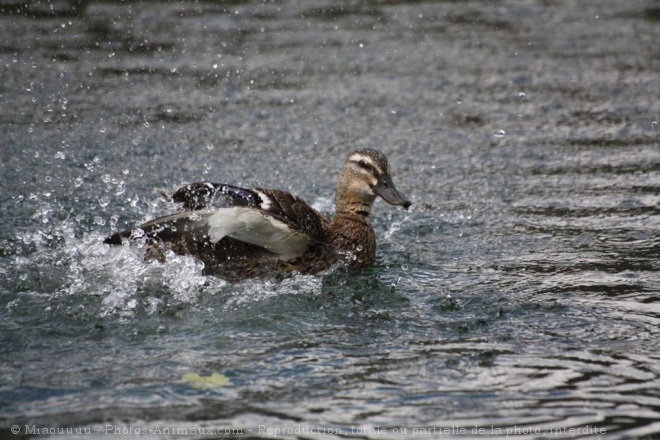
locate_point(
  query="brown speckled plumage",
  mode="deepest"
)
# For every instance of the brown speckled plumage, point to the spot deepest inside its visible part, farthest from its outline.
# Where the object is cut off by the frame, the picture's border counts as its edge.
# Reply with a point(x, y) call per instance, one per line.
point(260, 223)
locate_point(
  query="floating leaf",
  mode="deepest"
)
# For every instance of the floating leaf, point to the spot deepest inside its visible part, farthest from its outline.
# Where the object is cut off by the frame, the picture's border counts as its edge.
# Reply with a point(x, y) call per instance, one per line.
point(213, 381)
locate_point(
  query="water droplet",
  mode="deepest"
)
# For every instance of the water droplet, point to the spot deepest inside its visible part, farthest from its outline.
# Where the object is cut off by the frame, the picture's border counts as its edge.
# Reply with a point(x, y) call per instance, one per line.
point(48, 178)
point(104, 201)
point(522, 95)
point(654, 124)
point(78, 182)
point(146, 124)
point(121, 188)
point(60, 155)
point(500, 133)
point(99, 220)
point(102, 130)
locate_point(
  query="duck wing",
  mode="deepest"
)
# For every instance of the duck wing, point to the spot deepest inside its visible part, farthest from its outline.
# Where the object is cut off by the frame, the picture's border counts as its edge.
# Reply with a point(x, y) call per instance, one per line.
point(273, 203)
point(294, 212)
point(201, 195)
point(169, 228)
point(221, 222)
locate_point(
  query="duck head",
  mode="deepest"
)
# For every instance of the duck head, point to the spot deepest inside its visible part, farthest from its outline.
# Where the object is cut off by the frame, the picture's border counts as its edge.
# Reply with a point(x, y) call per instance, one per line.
point(365, 176)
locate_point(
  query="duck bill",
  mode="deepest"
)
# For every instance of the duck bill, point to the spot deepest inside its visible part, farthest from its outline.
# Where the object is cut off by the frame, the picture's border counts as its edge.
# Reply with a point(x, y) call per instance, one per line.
point(386, 189)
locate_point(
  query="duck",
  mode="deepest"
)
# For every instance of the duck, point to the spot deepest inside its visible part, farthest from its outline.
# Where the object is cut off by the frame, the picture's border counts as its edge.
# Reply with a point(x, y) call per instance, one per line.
point(241, 233)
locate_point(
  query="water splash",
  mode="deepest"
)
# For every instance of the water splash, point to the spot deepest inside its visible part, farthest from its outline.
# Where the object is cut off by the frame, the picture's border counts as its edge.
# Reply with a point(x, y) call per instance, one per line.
point(114, 281)
point(260, 290)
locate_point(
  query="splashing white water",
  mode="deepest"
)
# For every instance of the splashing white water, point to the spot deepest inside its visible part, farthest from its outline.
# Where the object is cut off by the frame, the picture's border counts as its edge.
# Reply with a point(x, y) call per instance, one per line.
point(119, 275)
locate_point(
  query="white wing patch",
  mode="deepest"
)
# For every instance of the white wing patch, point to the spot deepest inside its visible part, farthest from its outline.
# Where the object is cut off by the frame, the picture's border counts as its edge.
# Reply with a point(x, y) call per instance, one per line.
point(250, 226)
point(265, 200)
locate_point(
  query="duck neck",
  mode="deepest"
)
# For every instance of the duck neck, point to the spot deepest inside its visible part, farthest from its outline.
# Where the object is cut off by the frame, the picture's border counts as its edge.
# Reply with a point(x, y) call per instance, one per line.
point(353, 235)
point(357, 211)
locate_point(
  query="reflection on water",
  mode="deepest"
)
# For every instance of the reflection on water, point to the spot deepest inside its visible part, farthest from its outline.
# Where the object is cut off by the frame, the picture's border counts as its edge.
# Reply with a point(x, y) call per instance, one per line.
point(520, 292)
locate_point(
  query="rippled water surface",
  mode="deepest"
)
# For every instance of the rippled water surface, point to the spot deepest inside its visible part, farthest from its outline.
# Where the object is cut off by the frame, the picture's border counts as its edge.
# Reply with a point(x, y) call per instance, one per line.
point(521, 291)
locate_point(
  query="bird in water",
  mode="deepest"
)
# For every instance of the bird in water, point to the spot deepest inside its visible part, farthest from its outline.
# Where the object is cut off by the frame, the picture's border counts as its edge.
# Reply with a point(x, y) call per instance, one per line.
point(241, 233)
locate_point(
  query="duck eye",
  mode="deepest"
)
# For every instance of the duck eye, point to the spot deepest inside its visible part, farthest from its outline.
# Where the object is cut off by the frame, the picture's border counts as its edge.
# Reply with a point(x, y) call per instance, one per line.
point(366, 166)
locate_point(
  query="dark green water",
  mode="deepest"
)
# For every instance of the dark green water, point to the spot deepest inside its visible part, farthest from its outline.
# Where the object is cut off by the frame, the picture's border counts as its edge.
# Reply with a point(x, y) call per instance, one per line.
point(521, 291)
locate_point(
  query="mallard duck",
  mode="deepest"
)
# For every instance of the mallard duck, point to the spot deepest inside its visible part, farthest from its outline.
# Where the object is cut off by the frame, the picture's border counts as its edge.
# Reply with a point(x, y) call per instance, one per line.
point(241, 233)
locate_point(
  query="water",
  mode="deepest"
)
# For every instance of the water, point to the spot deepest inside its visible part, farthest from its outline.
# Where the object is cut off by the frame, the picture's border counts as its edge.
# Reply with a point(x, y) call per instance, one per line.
point(520, 292)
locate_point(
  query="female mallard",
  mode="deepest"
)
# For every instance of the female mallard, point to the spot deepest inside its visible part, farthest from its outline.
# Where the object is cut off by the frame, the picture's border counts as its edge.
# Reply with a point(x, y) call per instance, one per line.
point(241, 233)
